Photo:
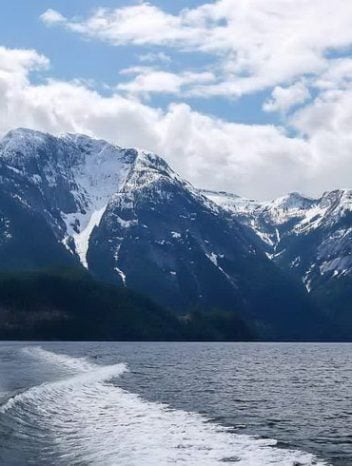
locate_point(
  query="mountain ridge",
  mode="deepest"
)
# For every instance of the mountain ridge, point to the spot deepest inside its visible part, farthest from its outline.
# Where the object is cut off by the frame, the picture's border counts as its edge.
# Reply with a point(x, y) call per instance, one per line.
point(129, 219)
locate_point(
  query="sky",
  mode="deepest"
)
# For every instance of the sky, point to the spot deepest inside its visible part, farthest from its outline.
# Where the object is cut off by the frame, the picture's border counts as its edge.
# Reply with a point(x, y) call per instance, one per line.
point(248, 96)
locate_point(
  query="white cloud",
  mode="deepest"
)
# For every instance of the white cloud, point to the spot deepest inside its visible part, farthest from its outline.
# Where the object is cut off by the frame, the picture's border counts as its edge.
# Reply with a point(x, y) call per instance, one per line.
point(285, 98)
point(153, 57)
point(256, 44)
point(326, 124)
point(338, 75)
point(51, 17)
point(57, 106)
point(15, 66)
point(254, 160)
point(140, 24)
point(149, 80)
point(19, 62)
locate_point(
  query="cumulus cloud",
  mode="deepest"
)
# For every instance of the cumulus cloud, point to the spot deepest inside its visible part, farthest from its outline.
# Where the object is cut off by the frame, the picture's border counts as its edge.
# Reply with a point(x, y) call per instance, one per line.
point(255, 44)
point(148, 80)
point(254, 160)
point(51, 17)
point(140, 24)
point(337, 76)
point(326, 124)
point(285, 98)
point(19, 62)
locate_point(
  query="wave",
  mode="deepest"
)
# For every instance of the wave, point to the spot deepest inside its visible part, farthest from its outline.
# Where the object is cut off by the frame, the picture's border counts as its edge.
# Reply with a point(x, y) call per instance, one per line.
point(85, 419)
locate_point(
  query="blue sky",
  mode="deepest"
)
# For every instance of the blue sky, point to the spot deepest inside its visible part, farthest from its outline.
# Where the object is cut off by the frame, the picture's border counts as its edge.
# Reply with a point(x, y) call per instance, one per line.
point(249, 96)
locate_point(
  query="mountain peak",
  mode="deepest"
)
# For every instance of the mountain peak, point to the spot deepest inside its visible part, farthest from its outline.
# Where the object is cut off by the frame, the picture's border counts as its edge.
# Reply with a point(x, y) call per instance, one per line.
point(19, 133)
point(21, 141)
point(293, 201)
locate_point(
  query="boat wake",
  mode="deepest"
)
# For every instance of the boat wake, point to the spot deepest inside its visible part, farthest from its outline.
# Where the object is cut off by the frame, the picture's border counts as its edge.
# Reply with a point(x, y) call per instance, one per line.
point(84, 418)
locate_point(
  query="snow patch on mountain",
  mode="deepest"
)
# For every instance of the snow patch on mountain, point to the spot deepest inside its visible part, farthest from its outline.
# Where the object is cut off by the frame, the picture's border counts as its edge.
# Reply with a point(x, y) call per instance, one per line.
point(101, 173)
point(338, 266)
point(214, 259)
point(81, 238)
point(122, 275)
point(231, 202)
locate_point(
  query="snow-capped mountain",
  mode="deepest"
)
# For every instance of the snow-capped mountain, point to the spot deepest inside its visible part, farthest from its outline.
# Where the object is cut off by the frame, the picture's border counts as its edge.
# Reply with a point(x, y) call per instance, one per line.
point(128, 218)
point(282, 223)
point(312, 238)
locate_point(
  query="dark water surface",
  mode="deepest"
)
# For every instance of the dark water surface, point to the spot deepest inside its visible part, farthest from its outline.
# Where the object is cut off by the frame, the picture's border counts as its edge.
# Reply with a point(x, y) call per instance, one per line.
point(248, 404)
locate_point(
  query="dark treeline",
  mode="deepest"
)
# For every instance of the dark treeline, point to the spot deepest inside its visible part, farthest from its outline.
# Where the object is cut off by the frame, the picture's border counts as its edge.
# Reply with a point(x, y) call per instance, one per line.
point(69, 304)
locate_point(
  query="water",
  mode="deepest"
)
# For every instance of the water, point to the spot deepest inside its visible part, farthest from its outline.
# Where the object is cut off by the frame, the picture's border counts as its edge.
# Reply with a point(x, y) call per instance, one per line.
point(175, 403)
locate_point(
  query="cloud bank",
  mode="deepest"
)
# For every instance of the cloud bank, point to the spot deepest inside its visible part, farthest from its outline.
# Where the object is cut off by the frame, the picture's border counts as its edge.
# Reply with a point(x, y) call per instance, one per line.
point(297, 50)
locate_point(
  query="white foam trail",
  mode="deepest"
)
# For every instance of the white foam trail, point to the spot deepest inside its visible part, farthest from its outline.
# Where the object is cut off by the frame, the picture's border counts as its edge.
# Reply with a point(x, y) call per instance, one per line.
point(85, 420)
point(61, 360)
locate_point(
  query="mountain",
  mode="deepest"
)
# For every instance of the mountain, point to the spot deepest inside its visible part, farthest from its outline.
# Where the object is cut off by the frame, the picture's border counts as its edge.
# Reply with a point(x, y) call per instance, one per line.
point(129, 219)
point(309, 238)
